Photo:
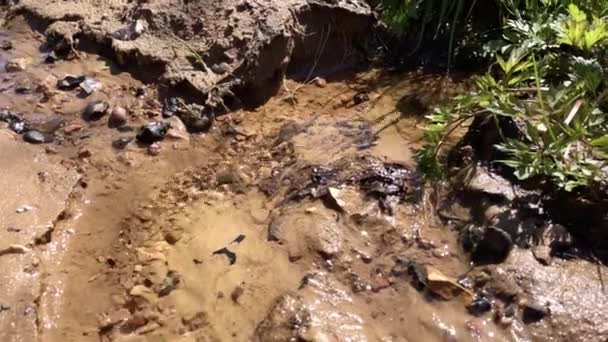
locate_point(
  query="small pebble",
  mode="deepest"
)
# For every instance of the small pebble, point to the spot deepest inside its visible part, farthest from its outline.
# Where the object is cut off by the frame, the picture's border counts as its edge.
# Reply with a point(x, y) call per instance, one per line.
point(319, 82)
point(121, 143)
point(18, 64)
point(154, 149)
point(118, 117)
point(24, 209)
point(95, 110)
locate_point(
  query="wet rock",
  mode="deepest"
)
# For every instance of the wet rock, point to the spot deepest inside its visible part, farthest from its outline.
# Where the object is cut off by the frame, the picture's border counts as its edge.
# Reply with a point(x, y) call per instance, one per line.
point(18, 64)
point(493, 248)
point(479, 306)
point(360, 98)
point(482, 180)
point(289, 313)
point(303, 232)
point(6, 45)
point(152, 132)
point(70, 82)
point(532, 313)
point(118, 117)
point(346, 199)
point(169, 284)
point(121, 143)
point(89, 86)
point(319, 82)
point(95, 110)
point(37, 137)
point(18, 127)
point(154, 149)
point(170, 107)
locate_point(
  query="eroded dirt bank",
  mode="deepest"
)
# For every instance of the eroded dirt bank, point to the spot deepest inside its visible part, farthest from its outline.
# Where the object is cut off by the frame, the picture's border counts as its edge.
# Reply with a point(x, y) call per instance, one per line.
point(300, 220)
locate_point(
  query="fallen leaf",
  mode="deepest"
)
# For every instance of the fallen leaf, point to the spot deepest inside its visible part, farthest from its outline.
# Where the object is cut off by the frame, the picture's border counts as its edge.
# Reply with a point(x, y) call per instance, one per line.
point(446, 287)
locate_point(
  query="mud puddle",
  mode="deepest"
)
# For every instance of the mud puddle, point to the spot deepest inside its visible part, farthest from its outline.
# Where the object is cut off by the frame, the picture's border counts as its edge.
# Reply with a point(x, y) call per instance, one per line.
point(301, 220)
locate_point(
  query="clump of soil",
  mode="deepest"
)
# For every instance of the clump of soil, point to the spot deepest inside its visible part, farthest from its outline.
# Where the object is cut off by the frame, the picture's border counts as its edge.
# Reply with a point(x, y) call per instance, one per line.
point(212, 49)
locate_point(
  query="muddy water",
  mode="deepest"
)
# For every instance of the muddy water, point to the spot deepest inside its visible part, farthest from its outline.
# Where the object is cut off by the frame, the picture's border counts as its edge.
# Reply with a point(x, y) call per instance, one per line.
point(211, 241)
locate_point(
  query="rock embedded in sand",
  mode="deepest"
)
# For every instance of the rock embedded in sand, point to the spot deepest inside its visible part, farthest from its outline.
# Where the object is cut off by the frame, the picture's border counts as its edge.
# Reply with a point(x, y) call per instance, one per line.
point(152, 132)
point(493, 248)
point(121, 143)
point(37, 137)
point(118, 117)
point(154, 149)
point(18, 64)
point(70, 82)
point(95, 110)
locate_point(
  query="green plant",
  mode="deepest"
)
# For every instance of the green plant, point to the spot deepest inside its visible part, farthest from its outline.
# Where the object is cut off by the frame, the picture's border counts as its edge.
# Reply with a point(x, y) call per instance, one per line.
point(549, 77)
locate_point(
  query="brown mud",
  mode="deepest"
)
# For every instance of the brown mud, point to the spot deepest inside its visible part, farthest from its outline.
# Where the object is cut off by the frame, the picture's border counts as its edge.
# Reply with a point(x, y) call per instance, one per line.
point(299, 220)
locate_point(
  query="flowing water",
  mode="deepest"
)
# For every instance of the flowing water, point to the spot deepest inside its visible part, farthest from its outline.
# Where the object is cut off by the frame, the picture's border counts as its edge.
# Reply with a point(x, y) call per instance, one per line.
point(204, 241)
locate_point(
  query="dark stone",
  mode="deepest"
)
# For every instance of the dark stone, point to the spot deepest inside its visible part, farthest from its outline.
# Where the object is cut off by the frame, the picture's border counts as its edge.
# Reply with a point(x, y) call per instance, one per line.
point(95, 110)
point(37, 137)
point(170, 107)
point(494, 247)
point(479, 306)
point(152, 132)
point(121, 143)
point(418, 274)
point(4, 307)
point(469, 236)
point(70, 82)
point(51, 57)
point(533, 313)
point(360, 98)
